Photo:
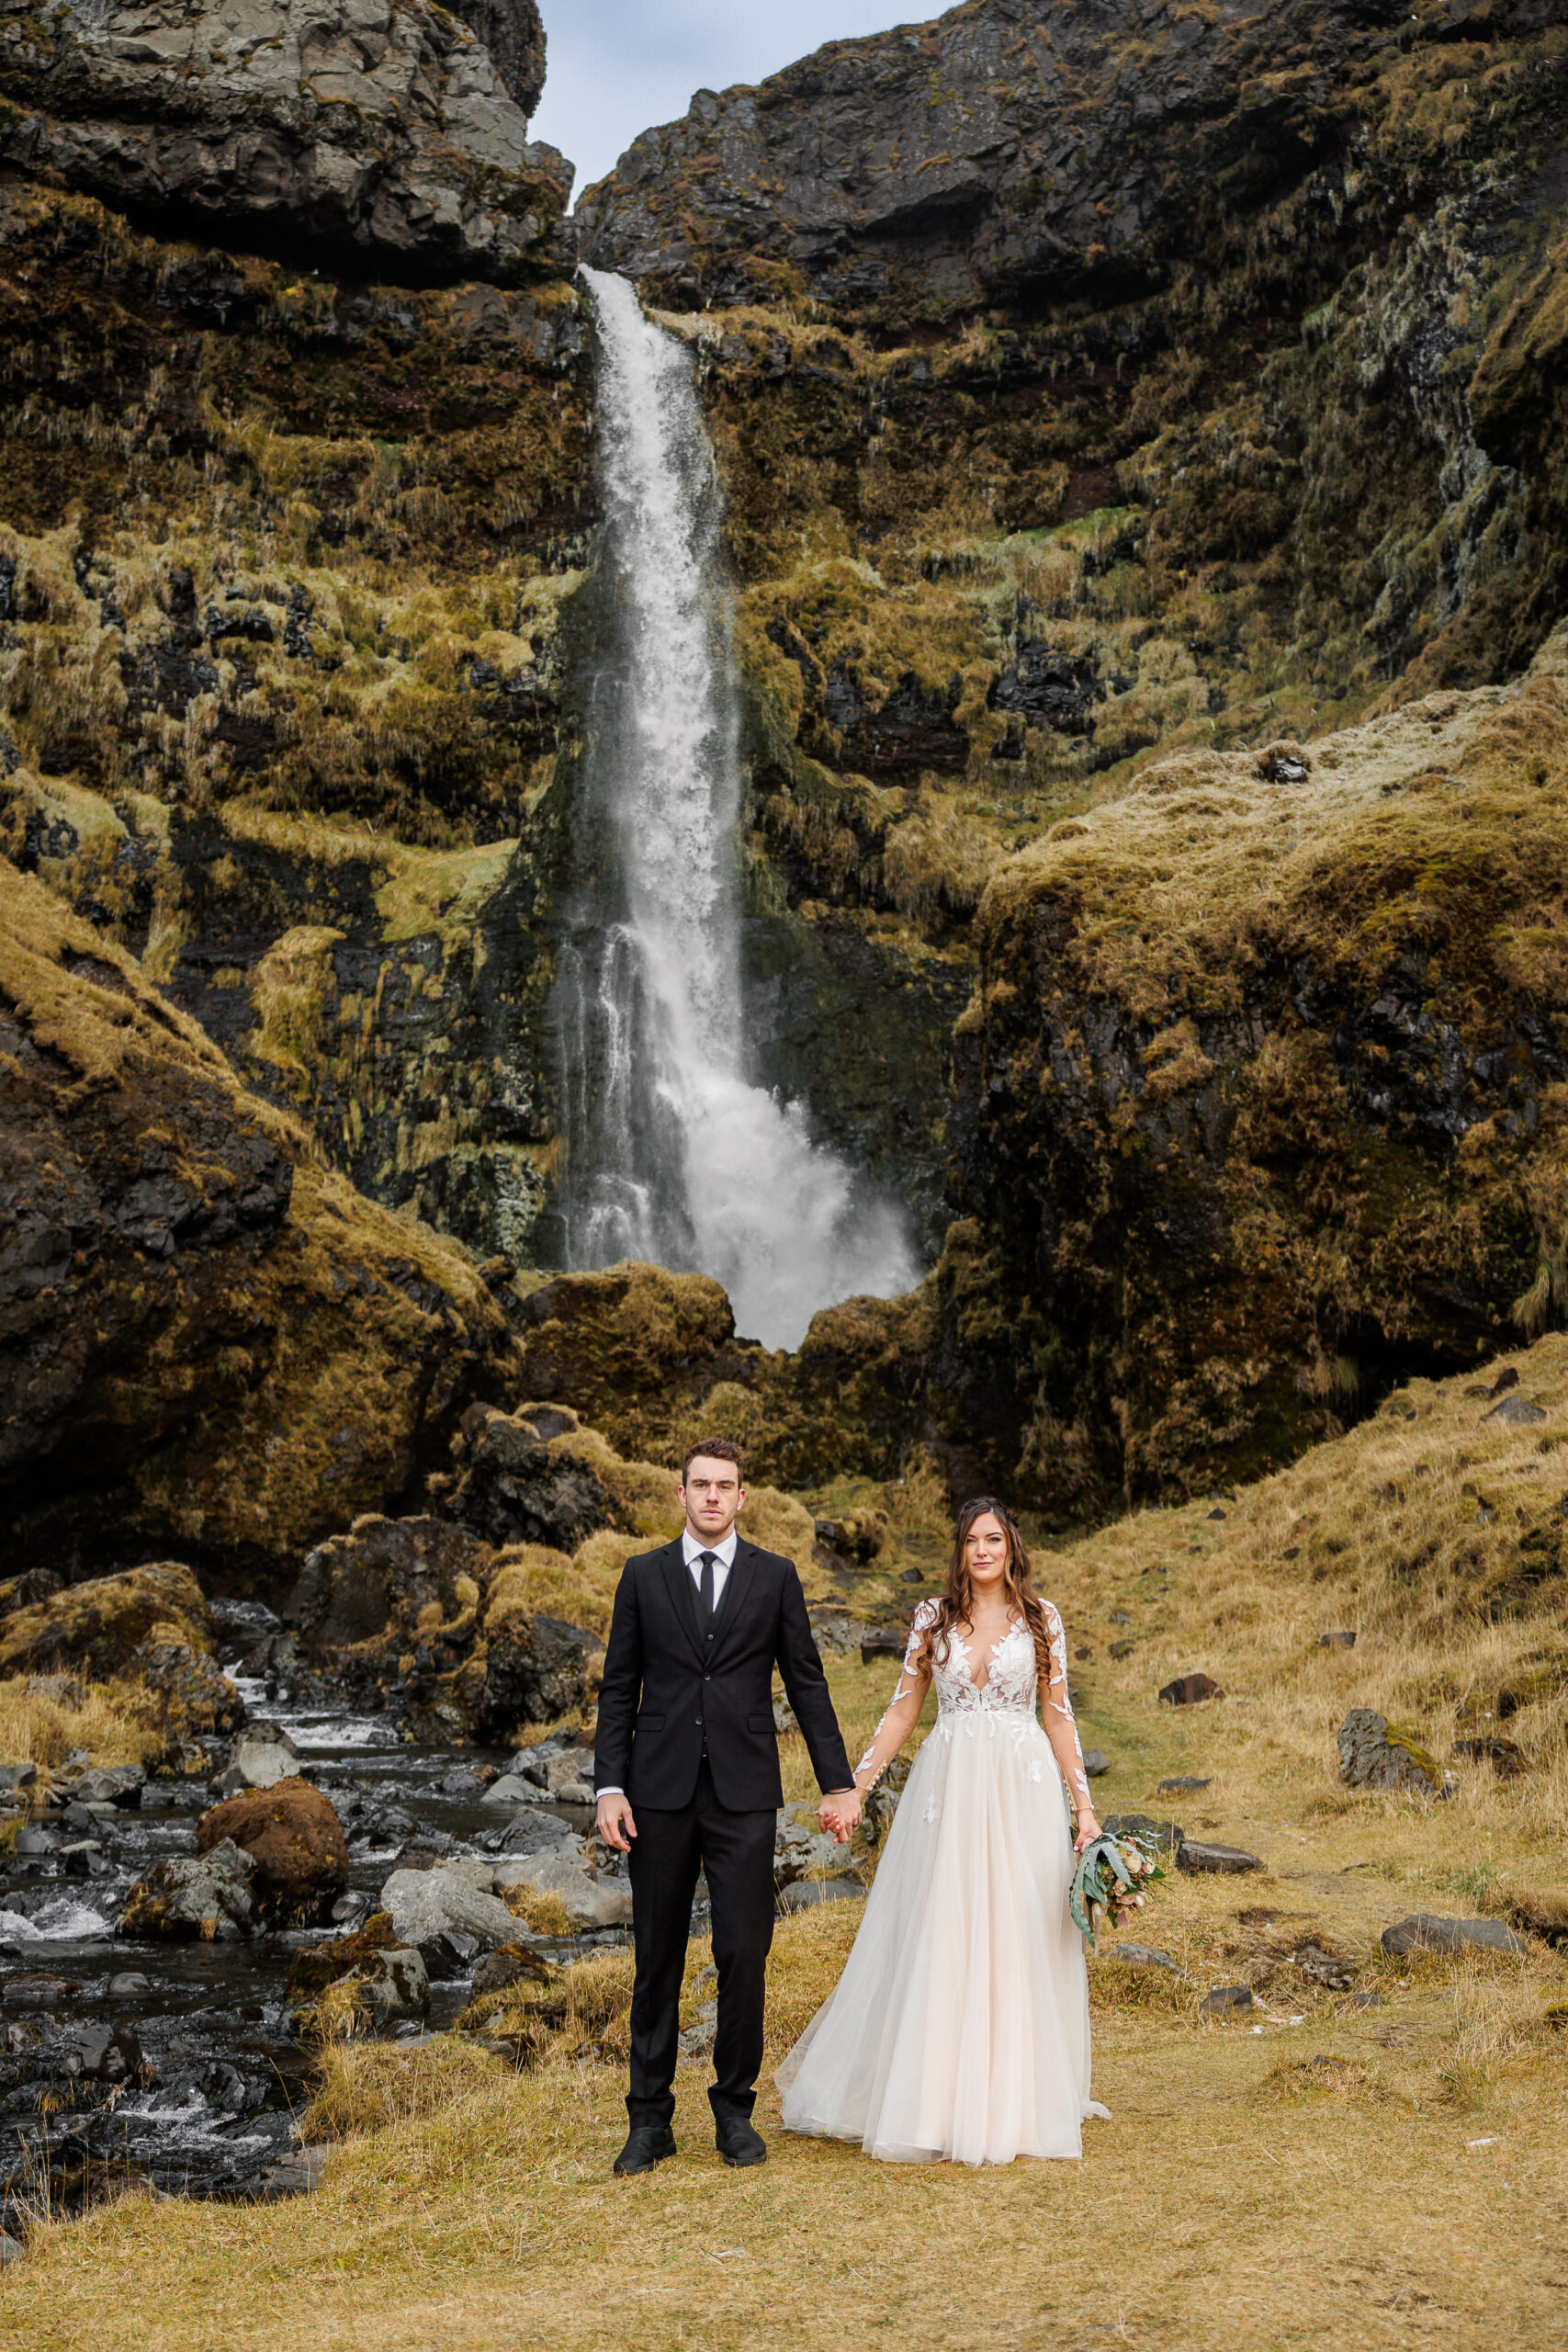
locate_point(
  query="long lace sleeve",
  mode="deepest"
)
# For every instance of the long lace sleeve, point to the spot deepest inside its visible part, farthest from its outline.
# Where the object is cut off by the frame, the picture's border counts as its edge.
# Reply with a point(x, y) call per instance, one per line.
point(1061, 1727)
point(903, 1709)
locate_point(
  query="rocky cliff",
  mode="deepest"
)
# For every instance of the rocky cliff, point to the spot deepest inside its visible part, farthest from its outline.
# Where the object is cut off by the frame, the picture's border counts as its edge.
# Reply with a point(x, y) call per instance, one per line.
point(1119, 410)
point(385, 133)
point(211, 1346)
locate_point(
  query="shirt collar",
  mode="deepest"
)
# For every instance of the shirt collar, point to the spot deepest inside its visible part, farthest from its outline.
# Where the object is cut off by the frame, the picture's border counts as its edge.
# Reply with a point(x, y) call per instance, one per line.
point(692, 1550)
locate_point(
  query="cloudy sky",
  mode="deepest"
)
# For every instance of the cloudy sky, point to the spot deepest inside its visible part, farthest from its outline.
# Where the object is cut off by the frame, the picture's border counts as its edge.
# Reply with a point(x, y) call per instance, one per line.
point(618, 66)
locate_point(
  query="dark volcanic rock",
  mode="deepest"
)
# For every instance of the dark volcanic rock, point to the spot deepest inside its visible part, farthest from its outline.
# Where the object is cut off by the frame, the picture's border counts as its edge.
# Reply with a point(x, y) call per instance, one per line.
point(1190, 1690)
point(392, 138)
point(514, 1489)
point(513, 33)
point(373, 1584)
point(1430, 1931)
point(536, 1668)
point(1001, 151)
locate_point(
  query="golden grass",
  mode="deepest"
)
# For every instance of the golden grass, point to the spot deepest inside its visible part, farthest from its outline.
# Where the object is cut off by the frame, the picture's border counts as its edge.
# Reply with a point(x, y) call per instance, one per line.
point(110, 1724)
point(538, 1909)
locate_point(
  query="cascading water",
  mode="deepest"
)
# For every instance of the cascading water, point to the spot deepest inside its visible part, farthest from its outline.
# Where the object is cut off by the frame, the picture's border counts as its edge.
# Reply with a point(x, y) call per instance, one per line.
point(673, 1154)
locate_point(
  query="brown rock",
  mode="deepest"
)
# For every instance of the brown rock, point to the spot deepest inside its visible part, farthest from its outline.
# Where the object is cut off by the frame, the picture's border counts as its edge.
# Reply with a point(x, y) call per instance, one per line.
point(1190, 1690)
point(296, 1841)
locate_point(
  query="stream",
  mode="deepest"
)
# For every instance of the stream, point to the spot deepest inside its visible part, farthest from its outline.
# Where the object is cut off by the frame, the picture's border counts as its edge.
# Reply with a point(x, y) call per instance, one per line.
point(171, 2061)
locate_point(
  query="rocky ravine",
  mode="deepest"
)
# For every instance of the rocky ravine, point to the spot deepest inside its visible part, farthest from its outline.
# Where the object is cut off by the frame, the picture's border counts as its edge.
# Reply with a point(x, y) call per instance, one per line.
point(289, 619)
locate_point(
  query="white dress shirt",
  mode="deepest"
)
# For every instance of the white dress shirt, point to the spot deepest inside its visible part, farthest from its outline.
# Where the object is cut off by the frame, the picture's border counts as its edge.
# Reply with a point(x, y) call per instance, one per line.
point(692, 1553)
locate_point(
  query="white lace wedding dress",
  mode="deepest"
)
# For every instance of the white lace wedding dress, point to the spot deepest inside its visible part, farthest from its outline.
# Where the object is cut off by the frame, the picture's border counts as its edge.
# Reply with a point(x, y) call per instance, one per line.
point(959, 2028)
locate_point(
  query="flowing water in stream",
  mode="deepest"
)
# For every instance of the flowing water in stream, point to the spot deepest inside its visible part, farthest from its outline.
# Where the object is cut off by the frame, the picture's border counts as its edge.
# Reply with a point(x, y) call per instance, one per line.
point(673, 1153)
point(208, 2082)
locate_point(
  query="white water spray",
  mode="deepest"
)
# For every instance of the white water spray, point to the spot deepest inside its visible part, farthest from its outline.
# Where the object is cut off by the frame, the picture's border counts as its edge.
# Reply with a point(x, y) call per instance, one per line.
point(673, 1154)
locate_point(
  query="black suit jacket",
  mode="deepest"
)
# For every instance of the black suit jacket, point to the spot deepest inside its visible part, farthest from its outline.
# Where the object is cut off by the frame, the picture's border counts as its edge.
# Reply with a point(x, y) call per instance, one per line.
point(661, 1697)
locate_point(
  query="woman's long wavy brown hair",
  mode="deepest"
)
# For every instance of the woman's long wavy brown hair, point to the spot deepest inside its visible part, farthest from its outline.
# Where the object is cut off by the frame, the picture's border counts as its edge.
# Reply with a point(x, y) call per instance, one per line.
point(957, 1603)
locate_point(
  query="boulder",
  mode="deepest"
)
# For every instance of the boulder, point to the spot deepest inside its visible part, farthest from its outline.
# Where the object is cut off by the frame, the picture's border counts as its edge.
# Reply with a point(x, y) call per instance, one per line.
point(426, 1907)
point(1190, 1690)
point(1430, 1931)
point(296, 1841)
point(194, 1698)
point(509, 1964)
point(537, 1667)
point(117, 1784)
point(1194, 1855)
point(540, 1833)
point(393, 1985)
point(1146, 1956)
point(588, 1901)
point(259, 1759)
point(1227, 2001)
point(390, 1585)
point(98, 1629)
point(390, 138)
point(800, 1845)
point(1183, 1784)
point(516, 1483)
point(200, 1897)
point(1372, 1755)
point(390, 1979)
point(513, 1790)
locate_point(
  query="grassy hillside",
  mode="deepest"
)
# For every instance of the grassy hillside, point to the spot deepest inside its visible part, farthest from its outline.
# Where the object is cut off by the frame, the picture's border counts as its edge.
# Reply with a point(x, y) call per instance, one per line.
point(1330, 2170)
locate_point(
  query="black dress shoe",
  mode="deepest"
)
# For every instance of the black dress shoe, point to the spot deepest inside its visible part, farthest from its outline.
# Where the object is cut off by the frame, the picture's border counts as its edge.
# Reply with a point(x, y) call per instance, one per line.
point(738, 2142)
point(648, 2144)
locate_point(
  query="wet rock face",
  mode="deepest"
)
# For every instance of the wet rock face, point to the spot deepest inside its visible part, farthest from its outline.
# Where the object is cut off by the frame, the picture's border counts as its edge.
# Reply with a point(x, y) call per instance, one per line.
point(1000, 152)
point(393, 136)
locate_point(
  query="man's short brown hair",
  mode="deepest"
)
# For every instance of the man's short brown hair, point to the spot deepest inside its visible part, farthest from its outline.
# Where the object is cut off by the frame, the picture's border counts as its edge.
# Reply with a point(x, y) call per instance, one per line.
point(715, 1449)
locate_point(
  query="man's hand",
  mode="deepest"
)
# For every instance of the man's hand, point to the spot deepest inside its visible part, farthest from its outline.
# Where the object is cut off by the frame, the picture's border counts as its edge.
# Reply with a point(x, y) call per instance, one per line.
point(839, 1812)
point(615, 1824)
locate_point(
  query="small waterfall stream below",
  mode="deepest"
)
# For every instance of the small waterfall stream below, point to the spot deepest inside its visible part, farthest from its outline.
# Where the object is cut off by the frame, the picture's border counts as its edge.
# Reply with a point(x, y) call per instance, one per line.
point(674, 1153)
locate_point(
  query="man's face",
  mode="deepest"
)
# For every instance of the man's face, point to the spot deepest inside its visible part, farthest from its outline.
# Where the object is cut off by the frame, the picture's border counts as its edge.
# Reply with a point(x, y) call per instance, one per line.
point(711, 1497)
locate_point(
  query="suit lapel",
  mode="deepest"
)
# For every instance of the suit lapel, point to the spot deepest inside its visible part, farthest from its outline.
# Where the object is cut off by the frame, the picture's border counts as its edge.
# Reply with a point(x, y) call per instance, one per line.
point(683, 1595)
point(736, 1586)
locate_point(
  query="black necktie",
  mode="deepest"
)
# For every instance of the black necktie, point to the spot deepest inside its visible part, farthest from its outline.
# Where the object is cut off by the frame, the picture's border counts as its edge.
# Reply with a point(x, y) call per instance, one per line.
point(705, 1596)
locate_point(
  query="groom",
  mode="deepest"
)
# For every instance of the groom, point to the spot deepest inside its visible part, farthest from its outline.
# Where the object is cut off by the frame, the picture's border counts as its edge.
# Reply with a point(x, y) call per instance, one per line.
point(686, 1735)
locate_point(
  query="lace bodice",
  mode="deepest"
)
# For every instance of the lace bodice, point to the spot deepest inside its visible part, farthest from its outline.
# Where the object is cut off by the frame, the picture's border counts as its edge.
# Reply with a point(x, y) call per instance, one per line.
point(1005, 1690)
point(1010, 1680)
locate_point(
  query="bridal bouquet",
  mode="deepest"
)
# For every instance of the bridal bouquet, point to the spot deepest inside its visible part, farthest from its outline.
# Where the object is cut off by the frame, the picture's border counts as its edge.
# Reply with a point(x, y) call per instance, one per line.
point(1111, 1879)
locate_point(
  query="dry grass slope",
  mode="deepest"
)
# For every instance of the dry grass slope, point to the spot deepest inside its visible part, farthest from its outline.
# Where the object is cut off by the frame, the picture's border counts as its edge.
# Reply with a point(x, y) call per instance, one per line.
point(1330, 2172)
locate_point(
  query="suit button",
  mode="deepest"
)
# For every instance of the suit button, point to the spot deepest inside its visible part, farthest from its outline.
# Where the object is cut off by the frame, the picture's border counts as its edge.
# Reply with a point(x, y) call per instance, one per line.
point(708, 1677)
point(699, 1723)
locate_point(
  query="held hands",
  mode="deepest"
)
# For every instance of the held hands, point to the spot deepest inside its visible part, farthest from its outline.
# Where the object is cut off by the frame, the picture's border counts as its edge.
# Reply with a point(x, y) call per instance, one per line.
point(615, 1824)
point(1089, 1830)
point(839, 1812)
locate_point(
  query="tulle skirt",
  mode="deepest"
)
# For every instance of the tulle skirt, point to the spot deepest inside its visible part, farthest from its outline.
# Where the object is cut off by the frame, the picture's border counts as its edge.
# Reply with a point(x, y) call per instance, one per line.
point(959, 2028)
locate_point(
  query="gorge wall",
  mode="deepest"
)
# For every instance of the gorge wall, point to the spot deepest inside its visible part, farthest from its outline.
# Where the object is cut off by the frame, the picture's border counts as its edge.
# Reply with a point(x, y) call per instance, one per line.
point(1143, 448)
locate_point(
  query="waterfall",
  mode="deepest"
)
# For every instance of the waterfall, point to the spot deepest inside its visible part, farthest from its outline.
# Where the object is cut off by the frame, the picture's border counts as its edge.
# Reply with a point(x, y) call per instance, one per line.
point(673, 1153)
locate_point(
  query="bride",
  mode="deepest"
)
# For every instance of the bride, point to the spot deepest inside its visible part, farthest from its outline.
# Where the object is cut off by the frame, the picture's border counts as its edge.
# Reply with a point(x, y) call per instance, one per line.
point(960, 2026)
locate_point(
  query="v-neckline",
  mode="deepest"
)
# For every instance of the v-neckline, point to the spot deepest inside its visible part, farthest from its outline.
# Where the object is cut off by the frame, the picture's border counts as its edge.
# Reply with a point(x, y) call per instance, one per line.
point(1013, 1626)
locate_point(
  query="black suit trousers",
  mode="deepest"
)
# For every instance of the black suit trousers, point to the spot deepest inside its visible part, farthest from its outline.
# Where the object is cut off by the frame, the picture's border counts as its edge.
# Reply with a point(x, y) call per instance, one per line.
point(736, 1851)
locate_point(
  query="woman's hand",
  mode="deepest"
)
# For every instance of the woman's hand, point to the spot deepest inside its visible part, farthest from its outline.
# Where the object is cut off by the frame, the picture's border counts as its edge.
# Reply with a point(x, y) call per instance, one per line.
point(1089, 1830)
